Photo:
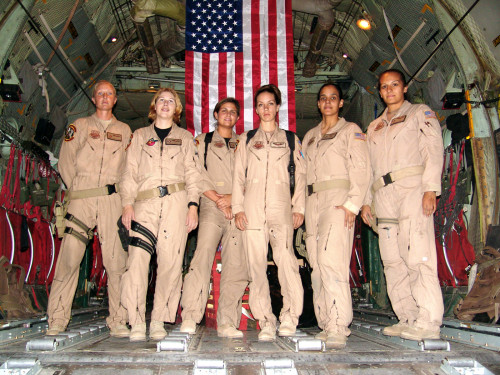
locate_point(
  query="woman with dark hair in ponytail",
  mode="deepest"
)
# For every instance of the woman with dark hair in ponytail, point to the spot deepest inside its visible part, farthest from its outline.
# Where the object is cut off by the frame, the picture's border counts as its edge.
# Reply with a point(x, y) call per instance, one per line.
point(406, 152)
point(338, 175)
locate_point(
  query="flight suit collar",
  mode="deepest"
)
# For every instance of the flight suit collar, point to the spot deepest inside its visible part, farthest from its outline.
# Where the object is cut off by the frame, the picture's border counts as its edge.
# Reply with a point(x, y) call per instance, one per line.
point(402, 111)
point(332, 132)
point(100, 124)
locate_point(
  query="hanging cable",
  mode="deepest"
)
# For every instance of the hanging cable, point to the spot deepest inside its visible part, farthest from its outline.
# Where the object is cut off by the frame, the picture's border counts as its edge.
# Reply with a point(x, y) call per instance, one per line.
point(441, 41)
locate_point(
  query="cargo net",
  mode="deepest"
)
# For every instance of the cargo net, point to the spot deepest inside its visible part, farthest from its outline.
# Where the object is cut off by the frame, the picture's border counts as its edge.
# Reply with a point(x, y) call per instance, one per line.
point(454, 252)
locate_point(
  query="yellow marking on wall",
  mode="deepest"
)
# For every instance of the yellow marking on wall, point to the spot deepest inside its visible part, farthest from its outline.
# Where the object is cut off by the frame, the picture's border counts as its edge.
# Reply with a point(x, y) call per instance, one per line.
point(70, 42)
point(78, 58)
point(469, 114)
point(367, 88)
point(426, 8)
point(385, 62)
point(440, 118)
point(21, 111)
point(33, 124)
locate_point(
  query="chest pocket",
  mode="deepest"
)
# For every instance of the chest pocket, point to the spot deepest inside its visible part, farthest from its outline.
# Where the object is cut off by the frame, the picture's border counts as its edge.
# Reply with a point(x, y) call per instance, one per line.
point(404, 132)
point(114, 142)
point(172, 148)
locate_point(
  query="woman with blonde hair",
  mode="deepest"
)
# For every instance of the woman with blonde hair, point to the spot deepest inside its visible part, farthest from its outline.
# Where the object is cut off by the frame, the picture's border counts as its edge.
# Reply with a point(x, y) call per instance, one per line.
point(159, 192)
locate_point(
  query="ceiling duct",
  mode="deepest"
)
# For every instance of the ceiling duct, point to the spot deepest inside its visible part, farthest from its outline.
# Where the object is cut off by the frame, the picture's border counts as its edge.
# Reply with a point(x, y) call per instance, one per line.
point(141, 11)
point(324, 9)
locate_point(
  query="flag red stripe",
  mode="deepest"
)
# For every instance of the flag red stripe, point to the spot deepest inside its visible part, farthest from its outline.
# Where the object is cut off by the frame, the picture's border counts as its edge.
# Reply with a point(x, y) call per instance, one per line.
point(189, 90)
point(239, 90)
point(222, 75)
point(256, 82)
point(205, 73)
point(292, 125)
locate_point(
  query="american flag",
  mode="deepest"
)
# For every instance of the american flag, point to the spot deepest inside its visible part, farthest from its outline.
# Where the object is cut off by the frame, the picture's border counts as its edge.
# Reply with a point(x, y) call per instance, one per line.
point(232, 48)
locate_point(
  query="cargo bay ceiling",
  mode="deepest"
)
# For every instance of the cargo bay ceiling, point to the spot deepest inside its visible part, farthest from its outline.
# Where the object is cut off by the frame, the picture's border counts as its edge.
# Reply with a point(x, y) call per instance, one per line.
point(139, 46)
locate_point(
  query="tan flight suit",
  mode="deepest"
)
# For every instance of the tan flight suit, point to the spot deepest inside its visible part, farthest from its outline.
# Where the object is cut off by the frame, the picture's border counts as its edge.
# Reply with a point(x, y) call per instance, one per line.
point(212, 227)
point(91, 156)
point(339, 161)
point(412, 138)
point(151, 163)
point(261, 189)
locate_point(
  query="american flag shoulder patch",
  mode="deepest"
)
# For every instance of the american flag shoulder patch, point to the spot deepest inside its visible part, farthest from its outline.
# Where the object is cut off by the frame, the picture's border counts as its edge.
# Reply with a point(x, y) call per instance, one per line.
point(360, 136)
point(430, 114)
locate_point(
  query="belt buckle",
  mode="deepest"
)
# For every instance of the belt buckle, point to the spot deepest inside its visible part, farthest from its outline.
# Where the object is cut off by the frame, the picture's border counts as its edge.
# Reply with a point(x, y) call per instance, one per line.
point(163, 191)
point(310, 189)
point(111, 189)
point(387, 179)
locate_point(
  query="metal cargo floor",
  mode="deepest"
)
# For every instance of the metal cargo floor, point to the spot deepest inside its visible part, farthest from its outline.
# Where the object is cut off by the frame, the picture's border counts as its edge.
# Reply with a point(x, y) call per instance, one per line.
point(90, 350)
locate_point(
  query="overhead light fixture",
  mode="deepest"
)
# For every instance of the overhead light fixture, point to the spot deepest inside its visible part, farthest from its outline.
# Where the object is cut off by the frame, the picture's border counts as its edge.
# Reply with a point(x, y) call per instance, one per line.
point(112, 39)
point(154, 85)
point(364, 24)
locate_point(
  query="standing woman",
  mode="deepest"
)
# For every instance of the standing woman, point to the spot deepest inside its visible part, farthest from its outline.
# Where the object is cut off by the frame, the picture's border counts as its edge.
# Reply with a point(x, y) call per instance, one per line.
point(406, 152)
point(338, 176)
point(159, 192)
point(266, 213)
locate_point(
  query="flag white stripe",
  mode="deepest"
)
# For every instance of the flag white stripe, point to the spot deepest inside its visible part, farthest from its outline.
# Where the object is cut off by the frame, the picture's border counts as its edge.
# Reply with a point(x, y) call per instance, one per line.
point(197, 83)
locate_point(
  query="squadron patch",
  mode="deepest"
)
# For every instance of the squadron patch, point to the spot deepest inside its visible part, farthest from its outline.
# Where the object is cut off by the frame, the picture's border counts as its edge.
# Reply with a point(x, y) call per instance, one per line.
point(196, 142)
point(233, 144)
point(360, 136)
point(219, 144)
point(398, 120)
point(430, 114)
point(278, 144)
point(173, 141)
point(329, 136)
point(311, 141)
point(129, 142)
point(379, 126)
point(95, 134)
point(70, 133)
point(151, 141)
point(114, 136)
point(258, 145)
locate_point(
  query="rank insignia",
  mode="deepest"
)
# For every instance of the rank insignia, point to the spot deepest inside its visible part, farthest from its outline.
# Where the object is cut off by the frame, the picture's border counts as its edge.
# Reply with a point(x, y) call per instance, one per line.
point(173, 141)
point(311, 141)
point(70, 133)
point(379, 126)
point(151, 141)
point(258, 145)
point(95, 134)
point(233, 144)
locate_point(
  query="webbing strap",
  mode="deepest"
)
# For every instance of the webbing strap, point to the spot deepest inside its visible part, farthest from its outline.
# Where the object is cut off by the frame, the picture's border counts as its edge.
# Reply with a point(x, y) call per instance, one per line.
point(139, 242)
point(394, 176)
point(160, 191)
point(327, 185)
point(79, 236)
point(81, 224)
point(141, 229)
point(208, 140)
point(95, 192)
